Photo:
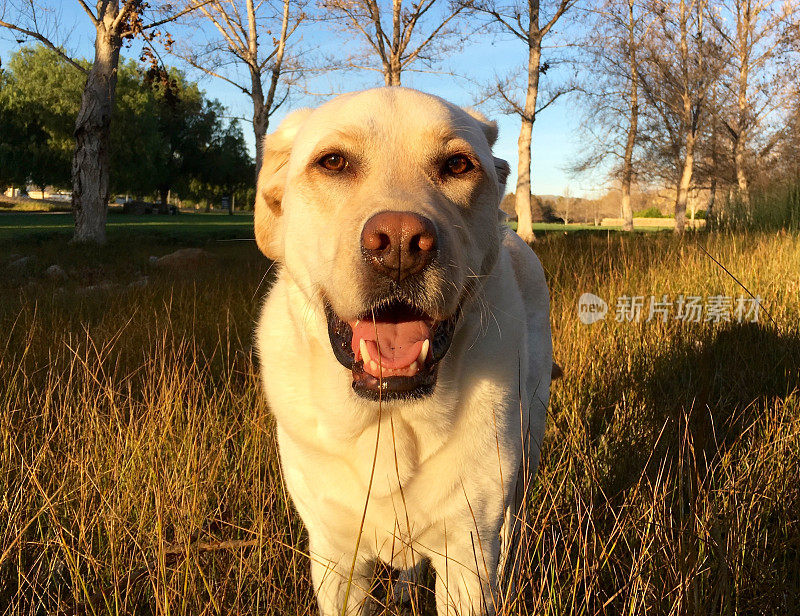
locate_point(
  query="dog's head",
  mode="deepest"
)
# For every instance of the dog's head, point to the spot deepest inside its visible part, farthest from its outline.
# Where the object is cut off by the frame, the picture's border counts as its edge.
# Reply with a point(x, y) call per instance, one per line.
point(383, 206)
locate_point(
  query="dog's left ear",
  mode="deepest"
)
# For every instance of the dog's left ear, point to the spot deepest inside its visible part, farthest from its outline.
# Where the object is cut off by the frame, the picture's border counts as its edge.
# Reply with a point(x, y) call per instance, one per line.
point(271, 183)
point(502, 169)
point(489, 129)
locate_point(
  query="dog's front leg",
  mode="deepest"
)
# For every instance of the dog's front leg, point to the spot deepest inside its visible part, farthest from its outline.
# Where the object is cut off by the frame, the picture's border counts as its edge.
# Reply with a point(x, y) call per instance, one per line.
point(341, 588)
point(465, 578)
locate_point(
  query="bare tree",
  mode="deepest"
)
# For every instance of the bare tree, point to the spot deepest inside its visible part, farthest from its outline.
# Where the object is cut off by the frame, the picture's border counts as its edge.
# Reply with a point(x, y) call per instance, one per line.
point(713, 158)
point(114, 21)
point(758, 34)
point(680, 67)
point(413, 32)
point(712, 165)
point(528, 22)
point(253, 35)
point(611, 91)
point(633, 113)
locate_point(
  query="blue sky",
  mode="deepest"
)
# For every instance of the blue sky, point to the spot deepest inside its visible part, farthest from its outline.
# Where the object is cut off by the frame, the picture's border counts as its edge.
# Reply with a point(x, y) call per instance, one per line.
point(556, 141)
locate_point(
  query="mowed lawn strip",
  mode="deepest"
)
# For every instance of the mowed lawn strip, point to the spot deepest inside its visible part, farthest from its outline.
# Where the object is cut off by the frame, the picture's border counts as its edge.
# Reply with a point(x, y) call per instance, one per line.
point(22, 226)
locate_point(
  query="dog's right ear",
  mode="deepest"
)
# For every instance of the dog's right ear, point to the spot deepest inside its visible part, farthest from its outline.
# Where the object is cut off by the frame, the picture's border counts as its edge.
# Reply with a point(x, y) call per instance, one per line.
point(272, 182)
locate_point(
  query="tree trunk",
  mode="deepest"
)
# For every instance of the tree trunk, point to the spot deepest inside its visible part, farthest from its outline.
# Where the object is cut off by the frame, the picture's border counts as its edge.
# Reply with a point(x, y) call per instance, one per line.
point(391, 60)
point(522, 199)
point(92, 132)
point(712, 197)
point(689, 122)
point(262, 107)
point(627, 163)
point(741, 175)
point(392, 72)
point(712, 189)
point(627, 210)
point(684, 183)
point(743, 32)
point(633, 124)
point(260, 118)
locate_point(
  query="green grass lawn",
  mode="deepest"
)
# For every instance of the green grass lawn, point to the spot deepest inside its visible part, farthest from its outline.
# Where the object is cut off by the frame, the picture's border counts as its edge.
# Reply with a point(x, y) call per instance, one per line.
point(25, 226)
point(138, 460)
point(550, 227)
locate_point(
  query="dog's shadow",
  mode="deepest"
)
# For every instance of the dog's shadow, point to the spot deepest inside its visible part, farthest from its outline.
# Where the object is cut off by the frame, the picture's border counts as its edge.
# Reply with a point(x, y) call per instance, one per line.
point(707, 388)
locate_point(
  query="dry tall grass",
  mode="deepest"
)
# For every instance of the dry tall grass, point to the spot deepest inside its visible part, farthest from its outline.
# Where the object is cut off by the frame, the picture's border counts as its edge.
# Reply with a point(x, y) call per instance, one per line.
point(139, 474)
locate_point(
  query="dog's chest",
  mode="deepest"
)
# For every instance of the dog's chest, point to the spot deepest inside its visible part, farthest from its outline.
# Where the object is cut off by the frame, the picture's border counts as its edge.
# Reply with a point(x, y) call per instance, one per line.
point(392, 453)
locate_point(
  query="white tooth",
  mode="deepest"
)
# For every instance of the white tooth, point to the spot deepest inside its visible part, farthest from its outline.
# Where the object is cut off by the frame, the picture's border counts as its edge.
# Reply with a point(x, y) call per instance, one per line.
point(373, 365)
point(423, 354)
point(413, 368)
point(364, 352)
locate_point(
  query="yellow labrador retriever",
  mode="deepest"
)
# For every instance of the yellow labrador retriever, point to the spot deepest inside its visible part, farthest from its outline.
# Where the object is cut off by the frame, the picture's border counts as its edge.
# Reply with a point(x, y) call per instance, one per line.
point(405, 347)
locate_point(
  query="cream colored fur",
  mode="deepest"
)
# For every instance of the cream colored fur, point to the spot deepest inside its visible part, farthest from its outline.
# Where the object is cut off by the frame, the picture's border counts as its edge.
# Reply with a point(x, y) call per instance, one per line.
point(445, 473)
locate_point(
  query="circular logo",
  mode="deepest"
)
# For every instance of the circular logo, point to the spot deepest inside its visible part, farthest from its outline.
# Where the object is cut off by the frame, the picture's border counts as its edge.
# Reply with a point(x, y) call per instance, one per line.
point(591, 308)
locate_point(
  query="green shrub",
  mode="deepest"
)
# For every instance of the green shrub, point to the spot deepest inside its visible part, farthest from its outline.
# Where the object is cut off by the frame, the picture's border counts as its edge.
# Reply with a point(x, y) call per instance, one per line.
point(650, 212)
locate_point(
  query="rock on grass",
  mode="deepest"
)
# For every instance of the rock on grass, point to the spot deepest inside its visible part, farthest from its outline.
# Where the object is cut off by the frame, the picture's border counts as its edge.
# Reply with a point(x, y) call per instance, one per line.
point(185, 259)
point(56, 272)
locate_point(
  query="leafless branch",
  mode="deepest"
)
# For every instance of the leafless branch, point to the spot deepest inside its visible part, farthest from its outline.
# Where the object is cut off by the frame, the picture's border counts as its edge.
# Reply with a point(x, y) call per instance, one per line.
point(45, 41)
point(89, 12)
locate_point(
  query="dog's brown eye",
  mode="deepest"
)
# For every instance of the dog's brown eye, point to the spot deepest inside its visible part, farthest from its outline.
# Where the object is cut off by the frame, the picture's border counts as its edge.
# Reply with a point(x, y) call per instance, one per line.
point(458, 164)
point(333, 162)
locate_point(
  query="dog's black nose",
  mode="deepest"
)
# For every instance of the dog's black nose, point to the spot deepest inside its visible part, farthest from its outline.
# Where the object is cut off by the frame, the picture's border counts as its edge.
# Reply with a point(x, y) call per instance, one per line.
point(398, 244)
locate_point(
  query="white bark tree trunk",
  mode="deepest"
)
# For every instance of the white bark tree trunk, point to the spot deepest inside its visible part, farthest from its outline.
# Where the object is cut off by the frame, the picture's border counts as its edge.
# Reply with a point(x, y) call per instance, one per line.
point(712, 189)
point(689, 122)
point(743, 32)
point(684, 183)
point(633, 124)
point(522, 197)
point(741, 174)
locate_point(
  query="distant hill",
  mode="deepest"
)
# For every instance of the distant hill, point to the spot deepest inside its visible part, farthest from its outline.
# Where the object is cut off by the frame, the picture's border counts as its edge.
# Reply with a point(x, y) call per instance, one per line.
point(549, 208)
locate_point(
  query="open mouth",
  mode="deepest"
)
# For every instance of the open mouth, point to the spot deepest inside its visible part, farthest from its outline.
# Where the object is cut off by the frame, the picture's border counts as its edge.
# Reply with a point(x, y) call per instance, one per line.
point(392, 350)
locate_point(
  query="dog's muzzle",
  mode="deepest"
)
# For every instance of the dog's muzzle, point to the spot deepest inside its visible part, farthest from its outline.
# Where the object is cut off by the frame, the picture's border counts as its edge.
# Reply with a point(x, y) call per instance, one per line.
point(393, 350)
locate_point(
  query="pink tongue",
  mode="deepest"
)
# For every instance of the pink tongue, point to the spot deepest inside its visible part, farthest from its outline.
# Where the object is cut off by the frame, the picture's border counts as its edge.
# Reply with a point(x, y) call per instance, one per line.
point(399, 343)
